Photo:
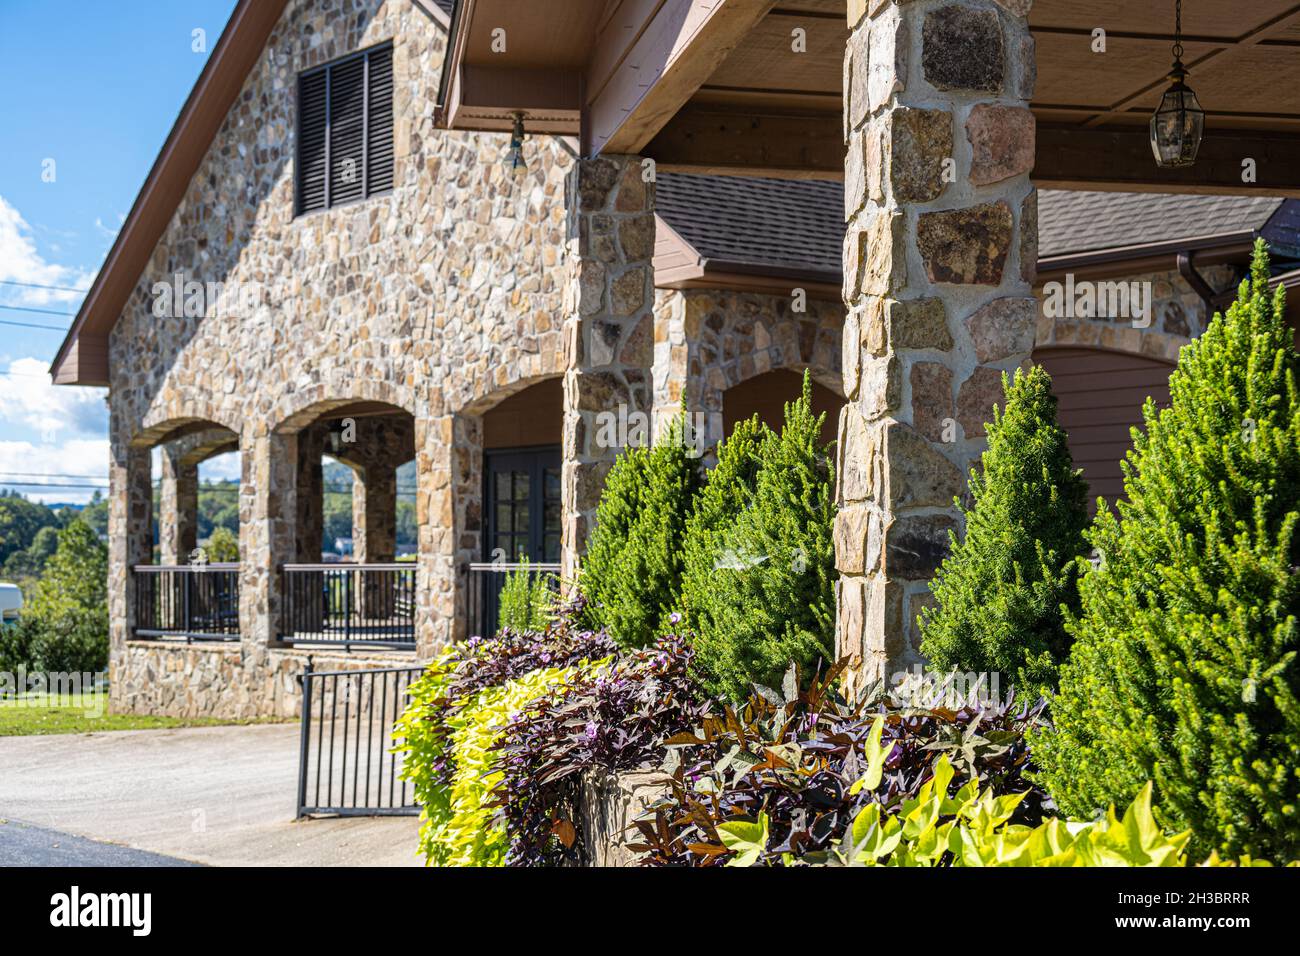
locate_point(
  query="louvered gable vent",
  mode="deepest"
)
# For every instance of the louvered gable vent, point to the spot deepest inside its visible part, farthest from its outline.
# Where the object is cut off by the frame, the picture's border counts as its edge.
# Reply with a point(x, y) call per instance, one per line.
point(345, 130)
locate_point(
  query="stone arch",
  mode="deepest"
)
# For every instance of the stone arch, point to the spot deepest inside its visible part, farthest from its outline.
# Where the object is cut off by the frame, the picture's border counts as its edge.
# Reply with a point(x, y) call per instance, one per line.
point(295, 411)
point(710, 341)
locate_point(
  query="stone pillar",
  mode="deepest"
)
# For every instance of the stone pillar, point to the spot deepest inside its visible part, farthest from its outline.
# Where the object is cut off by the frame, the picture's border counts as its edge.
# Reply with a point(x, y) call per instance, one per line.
point(436, 581)
point(374, 536)
point(130, 542)
point(178, 507)
point(309, 500)
point(939, 254)
point(374, 514)
point(267, 511)
point(609, 326)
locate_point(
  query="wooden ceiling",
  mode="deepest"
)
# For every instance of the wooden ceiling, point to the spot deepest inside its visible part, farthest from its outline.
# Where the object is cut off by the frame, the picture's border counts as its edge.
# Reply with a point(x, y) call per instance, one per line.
point(715, 86)
point(1243, 57)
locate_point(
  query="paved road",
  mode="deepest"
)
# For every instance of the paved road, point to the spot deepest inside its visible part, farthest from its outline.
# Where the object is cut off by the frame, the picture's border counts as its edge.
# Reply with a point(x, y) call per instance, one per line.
point(22, 844)
point(218, 795)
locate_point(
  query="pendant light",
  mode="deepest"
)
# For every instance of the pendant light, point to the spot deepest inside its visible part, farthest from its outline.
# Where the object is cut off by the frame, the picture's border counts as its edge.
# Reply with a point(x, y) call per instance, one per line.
point(1178, 122)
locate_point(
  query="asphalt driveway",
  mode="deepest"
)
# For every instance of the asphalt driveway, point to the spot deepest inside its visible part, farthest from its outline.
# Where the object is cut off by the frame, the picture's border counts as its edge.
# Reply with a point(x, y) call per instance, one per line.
point(217, 795)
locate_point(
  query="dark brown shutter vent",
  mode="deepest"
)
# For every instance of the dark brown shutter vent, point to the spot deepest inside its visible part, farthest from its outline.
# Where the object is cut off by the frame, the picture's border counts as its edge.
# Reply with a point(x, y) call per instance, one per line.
point(345, 130)
point(312, 99)
point(379, 142)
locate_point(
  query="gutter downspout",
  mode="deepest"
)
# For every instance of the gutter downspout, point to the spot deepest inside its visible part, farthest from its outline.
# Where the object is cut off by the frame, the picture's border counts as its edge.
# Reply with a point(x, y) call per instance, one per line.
point(1187, 269)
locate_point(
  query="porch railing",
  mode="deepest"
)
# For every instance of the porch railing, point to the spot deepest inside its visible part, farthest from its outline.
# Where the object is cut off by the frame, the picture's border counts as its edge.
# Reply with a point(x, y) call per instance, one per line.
point(184, 602)
point(485, 582)
point(349, 605)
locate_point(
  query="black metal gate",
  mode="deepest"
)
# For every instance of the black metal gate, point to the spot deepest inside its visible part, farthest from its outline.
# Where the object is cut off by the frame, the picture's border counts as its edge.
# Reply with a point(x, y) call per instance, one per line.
point(346, 766)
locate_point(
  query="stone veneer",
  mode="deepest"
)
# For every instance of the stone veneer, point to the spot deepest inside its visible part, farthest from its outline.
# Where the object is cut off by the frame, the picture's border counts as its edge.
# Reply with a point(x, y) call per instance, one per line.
point(708, 340)
point(1178, 315)
point(438, 298)
point(939, 258)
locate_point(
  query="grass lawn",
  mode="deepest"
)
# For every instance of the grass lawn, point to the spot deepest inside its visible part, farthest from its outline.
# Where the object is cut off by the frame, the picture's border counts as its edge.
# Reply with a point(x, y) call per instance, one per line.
point(45, 714)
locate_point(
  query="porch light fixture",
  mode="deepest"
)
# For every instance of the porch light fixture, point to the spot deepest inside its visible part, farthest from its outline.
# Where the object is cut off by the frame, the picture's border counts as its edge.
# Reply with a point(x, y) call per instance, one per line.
point(336, 436)
point(1178, 122)
point(514, 161)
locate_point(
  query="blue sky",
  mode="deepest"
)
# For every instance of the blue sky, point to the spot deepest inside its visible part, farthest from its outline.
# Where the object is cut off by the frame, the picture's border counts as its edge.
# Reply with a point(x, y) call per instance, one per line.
point(93, 86)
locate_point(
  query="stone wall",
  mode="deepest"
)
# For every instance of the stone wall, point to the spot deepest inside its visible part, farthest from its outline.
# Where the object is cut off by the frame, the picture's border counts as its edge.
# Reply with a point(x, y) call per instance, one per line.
point(438, 298)
point(210, 679)
point(708, 340)
point(1178, 315)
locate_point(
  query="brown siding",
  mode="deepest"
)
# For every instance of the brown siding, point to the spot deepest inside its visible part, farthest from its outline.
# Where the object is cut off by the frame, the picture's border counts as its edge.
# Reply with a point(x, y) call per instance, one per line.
point(767, 394)
point(531, 417)
point(1101, 394)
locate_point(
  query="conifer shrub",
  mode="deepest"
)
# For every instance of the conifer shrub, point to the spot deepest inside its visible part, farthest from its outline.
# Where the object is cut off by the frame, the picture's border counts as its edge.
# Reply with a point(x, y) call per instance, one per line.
point(632, 571)
point(1184, 667)
point(1001, 590)
point(526, 599)
point(761, 588)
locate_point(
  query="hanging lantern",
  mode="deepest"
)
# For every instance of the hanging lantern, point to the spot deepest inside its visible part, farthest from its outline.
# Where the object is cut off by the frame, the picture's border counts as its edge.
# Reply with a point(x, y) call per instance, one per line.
point(1178, 122)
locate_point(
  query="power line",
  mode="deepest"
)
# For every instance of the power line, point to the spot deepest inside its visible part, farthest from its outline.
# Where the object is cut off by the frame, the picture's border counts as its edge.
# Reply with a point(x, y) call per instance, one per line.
point(28, 308)
point(37, 285)
point(29, 325)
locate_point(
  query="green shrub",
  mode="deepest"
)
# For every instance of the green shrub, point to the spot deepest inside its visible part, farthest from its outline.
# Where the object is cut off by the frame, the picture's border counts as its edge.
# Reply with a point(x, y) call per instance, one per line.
point(68, 612)
point(762, 593)
point(632, 571)
point(526, 599)
point(1184, 665)
point(727, 492)
point(1001, 589)
point(222, 546)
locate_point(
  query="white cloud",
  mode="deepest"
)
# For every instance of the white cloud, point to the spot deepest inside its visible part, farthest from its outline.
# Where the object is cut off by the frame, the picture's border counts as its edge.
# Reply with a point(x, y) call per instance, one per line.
point(20, 261)
point(20, 461)
point(28, 399)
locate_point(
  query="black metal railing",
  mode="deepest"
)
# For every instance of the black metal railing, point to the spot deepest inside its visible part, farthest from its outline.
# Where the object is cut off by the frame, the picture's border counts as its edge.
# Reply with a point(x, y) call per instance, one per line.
point(349, 605)
point(346, 764)
point(187, 602)
point(485, 582)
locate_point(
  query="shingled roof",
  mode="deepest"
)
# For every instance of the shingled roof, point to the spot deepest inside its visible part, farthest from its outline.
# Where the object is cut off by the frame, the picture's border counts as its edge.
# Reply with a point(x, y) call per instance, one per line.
point(738, 224)
point(1076, 222)
point(797, 227)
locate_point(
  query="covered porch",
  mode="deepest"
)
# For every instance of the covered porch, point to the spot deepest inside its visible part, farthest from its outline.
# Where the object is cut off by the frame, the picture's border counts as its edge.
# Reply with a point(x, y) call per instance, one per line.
point(942, 118)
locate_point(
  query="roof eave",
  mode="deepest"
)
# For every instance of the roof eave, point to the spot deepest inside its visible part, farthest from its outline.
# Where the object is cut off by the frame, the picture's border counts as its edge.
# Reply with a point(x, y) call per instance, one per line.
point(187, 143)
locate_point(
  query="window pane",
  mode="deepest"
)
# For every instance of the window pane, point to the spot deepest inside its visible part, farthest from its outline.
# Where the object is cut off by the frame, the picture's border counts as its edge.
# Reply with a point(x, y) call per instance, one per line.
point(521, 519)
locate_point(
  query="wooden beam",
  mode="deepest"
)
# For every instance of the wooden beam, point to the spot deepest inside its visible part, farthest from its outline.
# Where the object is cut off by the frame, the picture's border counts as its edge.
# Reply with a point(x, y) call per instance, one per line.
point(1075, 157)
point(717, 142)
point(673, 54)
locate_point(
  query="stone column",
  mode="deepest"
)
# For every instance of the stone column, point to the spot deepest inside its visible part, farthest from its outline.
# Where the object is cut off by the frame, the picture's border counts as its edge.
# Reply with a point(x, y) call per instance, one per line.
point(939, 254)
point(374, 514)
point(130, 542)
point(267, 513)
point(609, 326)
point(178, 507)
point(374, 535)
point(309, 500)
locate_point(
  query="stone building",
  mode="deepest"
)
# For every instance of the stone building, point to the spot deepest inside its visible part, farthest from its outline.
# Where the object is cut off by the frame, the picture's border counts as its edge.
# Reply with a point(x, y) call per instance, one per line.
point(330, 258)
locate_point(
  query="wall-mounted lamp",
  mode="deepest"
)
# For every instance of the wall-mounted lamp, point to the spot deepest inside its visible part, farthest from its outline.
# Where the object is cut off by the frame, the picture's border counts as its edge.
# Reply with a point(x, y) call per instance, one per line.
point(514, 161)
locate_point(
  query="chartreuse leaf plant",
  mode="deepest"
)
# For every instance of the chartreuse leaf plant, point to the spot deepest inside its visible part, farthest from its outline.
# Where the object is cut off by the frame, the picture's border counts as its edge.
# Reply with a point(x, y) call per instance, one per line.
point(971, 827)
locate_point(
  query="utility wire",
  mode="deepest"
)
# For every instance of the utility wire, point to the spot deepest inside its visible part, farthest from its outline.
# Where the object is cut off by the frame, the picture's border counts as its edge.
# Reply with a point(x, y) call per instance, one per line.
point(37, 285)
point(28, 308)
